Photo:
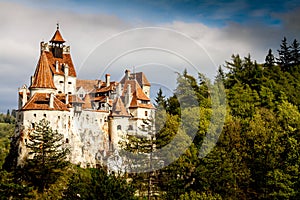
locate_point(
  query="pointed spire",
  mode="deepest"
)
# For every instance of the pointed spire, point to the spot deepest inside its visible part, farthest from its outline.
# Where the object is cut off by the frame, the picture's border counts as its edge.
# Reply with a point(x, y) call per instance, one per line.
point(57, 36)
point(43, 75)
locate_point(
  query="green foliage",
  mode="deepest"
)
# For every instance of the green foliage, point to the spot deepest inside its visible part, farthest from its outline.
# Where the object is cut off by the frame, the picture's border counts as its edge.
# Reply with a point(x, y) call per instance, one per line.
point(6, 131)
point(46, 156)
point(97, 184)
point(11, 190)
point(256, 156)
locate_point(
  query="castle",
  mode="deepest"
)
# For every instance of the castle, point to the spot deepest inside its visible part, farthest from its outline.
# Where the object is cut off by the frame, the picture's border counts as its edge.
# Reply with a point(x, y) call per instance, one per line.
point(93, 115)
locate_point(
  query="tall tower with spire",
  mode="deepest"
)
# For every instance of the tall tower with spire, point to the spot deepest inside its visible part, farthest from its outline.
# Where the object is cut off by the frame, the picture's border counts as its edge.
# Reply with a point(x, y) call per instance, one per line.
point(51, 86)
point(57, 43)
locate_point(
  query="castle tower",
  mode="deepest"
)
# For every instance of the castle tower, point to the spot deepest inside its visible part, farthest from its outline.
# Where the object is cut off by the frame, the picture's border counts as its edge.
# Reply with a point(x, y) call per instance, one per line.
point(57, 44)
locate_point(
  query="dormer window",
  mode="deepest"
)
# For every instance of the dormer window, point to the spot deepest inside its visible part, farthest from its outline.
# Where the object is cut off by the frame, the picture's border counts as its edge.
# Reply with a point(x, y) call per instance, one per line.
point(144, 102)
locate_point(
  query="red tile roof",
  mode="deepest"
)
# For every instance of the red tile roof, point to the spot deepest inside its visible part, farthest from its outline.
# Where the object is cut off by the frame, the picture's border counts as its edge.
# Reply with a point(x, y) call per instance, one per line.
point(139, 77)
point(57, 37)
point(43, 77)
point(99, 98)
point(141, 95)
point(135, 103)
point(87, 102)
point(133, 86)
point(111, 87)
point(40, 101)
point(87, 85)
point(118, 108)
point(66, 59)
point(75, 99)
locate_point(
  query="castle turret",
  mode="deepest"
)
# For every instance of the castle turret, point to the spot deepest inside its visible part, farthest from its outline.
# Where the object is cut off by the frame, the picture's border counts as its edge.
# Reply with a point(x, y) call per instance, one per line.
point(42, 81)
point(57, 44)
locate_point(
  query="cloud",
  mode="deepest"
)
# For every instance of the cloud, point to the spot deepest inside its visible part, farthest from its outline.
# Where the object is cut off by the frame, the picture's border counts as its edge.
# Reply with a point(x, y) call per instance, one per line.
point(99, 46)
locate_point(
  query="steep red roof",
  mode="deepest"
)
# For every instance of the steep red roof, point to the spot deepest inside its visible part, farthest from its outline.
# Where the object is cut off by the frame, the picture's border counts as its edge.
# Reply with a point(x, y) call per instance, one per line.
point(87, 85)
point(133, 86)
point(57, 37)
point(141, 95)
point(139, 77)
point(43, 76)
point(66, 59)
point(135, 103)
point(118, 108)
point(40, 101)
point(105, 88)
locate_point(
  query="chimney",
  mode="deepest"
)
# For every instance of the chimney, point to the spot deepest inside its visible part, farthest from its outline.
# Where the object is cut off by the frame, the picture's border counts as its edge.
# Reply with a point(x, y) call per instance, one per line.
point(107, 79)
point(119, 90)
point(51, 101)
point(127, 74)
point(24, 95)
point(128, 95)
point(56, 66)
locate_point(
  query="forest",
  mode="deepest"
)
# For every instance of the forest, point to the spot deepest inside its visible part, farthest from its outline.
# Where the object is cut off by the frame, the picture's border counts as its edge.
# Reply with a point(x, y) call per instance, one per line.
point(256, 155)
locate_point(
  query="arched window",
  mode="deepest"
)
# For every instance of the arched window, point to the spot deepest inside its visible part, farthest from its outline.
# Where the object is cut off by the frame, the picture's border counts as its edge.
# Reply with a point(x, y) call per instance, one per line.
point(119, 127)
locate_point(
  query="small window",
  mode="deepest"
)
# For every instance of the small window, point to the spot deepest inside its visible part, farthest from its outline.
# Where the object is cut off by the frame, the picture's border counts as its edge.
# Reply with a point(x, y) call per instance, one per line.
point(34, 115)
point(119, 127)
point(130, 127)
point(58, 117)
point(146, 113)
point(61, 81)
point(67, 140)
point(33, 125)
point(45, 115)
point(69, 82)
point(59, 92)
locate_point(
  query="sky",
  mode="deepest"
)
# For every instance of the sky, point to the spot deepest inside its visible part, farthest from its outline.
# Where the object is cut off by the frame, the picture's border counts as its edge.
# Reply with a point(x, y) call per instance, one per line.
point(158, 37)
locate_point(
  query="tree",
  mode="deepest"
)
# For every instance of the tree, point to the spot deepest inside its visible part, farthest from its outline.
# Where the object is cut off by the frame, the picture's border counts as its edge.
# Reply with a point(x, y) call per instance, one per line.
point(46, 157)
point(270, 59)
point(160, 99)
point(295, 52)
point(284, 54)
point(97, 184)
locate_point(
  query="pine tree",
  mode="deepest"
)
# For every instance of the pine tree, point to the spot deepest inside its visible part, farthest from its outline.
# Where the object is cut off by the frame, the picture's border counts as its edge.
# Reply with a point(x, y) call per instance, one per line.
point(7, 117)
point(160, 99)
point(284, 55)
point(47, 156)
point(270, 59)
point(295, 52)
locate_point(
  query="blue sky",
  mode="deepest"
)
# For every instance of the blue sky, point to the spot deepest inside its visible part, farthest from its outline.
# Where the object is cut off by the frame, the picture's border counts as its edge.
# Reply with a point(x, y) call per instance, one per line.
point(210, 12)
point(206, 33)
